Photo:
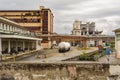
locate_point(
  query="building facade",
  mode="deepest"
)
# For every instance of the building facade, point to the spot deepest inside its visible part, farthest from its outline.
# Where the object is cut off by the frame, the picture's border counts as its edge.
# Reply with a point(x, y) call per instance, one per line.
point(40, 21)
point(14, 38)
point(84, 29)
point(99, 40)
point(93, 37)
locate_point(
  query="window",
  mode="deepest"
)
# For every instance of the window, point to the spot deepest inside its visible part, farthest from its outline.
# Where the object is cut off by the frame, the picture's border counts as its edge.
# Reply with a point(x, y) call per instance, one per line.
point(45, 32)
point(45, 29)
point(28, 14)
point(25, 20)
point(33, 28)
point(118, 36)
point(45, 13)
point(45, 21)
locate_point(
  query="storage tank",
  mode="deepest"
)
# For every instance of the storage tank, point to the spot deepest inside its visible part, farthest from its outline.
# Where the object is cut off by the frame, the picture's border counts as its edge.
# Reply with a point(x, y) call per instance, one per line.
point(64, 46)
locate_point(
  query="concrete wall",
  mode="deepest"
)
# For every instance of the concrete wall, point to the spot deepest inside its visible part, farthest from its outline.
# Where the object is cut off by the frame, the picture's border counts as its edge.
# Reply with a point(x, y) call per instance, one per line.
point(117, 44)
point(54, 71)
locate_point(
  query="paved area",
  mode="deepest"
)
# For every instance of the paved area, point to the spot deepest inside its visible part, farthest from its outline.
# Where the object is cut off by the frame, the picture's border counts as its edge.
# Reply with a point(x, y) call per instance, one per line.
point(112, 59)
point(60, 56)
point(55, 56)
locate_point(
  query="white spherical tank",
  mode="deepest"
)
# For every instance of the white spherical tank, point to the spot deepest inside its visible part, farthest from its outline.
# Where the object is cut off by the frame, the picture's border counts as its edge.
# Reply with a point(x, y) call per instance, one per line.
point(64, 46)
point(67, 46)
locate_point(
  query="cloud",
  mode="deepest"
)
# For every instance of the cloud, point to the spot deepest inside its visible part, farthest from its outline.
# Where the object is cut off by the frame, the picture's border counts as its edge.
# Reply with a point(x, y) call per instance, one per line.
point(106, 14)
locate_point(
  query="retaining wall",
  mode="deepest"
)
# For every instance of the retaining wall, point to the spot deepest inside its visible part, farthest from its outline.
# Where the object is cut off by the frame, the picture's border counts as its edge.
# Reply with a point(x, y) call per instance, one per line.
point(54, 71)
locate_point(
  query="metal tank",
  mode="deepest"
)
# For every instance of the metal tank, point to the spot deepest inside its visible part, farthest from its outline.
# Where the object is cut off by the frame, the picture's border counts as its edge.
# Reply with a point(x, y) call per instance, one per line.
point(64, 46)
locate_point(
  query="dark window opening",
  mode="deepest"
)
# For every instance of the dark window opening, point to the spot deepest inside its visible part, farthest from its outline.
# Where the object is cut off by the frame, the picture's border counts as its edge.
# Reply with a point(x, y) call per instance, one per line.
point(45, 21)
point(45, 29)
point(33, 28)
point(26, 20)
point(45, 13)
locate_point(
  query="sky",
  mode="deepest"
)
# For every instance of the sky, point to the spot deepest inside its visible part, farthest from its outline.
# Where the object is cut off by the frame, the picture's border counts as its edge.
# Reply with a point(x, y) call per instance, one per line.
point(105, 13)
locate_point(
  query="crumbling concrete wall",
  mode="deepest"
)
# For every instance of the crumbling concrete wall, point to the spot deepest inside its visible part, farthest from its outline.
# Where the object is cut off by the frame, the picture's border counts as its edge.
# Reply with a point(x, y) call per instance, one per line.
point(53, 71)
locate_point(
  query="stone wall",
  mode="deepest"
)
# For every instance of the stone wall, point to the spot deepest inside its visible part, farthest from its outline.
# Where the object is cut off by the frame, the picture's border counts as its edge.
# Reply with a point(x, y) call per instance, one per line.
point(54, 71)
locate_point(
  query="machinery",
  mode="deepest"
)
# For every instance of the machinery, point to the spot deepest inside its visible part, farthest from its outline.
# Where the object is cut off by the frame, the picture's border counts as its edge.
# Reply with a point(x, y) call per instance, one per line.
point(64, 46)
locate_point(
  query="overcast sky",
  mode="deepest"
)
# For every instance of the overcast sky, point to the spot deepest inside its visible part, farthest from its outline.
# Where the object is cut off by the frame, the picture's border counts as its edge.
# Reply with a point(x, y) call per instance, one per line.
point(105, 13)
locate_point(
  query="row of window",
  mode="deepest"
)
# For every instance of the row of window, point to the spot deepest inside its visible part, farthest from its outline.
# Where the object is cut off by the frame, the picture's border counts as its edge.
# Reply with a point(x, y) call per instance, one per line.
point(33, 28)
point(25, 20)
point(32, 13)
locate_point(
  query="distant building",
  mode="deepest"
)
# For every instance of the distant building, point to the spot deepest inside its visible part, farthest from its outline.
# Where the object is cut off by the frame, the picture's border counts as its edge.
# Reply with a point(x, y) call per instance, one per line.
point(84, 29)
point(14, 38)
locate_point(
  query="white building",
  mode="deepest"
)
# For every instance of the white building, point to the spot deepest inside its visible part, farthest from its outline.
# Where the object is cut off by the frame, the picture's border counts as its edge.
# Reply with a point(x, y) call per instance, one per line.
point(88, 28)
point(117, 42)
point(14, 38)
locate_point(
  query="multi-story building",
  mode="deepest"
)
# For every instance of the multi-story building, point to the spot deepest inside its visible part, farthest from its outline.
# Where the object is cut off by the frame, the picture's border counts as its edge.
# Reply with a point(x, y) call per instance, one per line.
point(14, 38)
point(39, 21)
point(84, 29)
